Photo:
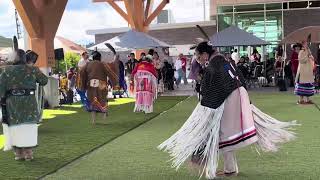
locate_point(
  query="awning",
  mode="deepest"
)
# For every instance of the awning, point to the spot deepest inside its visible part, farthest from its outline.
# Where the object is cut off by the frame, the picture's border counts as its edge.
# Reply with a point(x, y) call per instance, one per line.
point(131, 40)
point(234, 36)
point(302, 35)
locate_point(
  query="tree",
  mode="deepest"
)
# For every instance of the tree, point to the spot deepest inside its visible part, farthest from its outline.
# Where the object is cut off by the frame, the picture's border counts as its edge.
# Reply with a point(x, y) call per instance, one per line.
point(70, 60)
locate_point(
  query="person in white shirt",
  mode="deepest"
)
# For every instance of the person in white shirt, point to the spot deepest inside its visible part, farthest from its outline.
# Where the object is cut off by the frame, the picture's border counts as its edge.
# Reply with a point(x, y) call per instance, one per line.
point(235, 56)
point(178, 67)
point(84, 60)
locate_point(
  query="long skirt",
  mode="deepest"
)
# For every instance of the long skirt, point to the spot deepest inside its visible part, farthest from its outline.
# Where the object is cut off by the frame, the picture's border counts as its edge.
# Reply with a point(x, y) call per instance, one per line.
point(20, 136)
point(146, 92)
point(304, 89)
point(233, 125)
point(97, 97)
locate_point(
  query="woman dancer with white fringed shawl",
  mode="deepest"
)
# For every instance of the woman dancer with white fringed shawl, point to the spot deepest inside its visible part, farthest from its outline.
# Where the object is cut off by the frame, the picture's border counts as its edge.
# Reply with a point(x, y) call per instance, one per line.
point(223, 121)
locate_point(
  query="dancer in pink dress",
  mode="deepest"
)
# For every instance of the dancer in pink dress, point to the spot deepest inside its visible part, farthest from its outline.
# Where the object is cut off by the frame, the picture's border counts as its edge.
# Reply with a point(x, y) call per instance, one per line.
point(145, 85)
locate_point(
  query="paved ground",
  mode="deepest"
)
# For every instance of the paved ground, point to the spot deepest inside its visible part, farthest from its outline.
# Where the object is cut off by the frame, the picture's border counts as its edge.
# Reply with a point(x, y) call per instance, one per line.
point(188, 90)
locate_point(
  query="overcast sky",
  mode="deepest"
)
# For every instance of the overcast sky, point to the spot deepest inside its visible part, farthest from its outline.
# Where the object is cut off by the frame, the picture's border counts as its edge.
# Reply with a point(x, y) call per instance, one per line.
point(80, 17)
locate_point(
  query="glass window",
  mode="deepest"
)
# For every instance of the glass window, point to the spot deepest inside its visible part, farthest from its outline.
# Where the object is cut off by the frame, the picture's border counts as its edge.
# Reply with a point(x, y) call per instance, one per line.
point(296, 5)
point(273, 6)
point(251, 22)
point(271, 49)
point(314, 3)
point(224, 21)
point(285, 5)
point(225, 9)
point(243, 51)
point(253, 7)
point(273, 26)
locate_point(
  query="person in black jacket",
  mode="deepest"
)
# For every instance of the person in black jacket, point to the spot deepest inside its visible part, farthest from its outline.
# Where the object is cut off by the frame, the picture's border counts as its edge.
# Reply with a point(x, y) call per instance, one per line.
point(168, 75)
point(224, 121)
point(131, 64)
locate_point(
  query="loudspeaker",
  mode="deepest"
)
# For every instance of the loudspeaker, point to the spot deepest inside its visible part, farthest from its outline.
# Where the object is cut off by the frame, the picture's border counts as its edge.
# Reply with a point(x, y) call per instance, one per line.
point(59, 54)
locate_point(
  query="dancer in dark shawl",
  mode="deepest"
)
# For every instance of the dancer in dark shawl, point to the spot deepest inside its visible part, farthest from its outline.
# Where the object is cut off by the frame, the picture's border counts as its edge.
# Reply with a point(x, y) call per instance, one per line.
point(224, 121)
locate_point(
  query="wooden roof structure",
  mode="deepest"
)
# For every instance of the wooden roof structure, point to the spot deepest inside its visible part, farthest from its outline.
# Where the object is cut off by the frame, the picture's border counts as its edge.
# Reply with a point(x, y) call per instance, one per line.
point(138, 13)
point(41, 19)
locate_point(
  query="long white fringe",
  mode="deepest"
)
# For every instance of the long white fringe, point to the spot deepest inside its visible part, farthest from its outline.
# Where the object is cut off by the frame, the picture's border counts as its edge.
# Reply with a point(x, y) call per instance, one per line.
point(200, 130)
point(140, 75)
point(143, 108)
point(39, 93)
point(270, 131)
point(147, 104)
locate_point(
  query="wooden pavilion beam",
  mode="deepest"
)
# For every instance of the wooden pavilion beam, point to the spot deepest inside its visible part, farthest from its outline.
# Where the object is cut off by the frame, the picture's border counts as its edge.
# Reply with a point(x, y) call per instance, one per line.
point(41, 19)
point(148, 8)
point(128, 4)
point(138, 9)
point(137, 16)
point(118, 9)
point(26, 11)
point(156, 12)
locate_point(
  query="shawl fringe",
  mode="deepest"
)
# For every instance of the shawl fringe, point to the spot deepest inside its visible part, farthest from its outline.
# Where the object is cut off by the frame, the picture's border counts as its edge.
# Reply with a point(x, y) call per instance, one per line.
point(145, 85)
point(200, 133)
point(271, 132)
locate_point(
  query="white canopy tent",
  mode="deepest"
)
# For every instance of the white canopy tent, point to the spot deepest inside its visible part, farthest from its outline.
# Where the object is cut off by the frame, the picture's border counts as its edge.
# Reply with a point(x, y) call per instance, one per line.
point(129, 41)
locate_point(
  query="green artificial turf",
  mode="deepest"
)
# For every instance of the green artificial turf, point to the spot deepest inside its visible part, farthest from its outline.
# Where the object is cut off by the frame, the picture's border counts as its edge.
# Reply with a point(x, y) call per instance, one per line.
point(134, 155)
point(67, 133)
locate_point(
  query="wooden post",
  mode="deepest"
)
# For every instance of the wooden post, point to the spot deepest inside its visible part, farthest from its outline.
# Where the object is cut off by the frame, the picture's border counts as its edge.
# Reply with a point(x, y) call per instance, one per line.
point(41, 19)
point(138, 16)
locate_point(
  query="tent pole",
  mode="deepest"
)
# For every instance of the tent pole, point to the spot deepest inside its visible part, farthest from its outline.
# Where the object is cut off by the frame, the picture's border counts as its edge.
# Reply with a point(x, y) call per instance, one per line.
point(284, 59)
point(238, 50)
point(264, 60)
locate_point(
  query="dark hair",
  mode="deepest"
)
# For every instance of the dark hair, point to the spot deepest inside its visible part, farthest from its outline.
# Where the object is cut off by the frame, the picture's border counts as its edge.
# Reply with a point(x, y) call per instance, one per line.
point(28, 58)
point(236, 50)
point(204, 47)
point(255, 51)
point(299, 45)
point(151, 51)
point(31, 56)
point(279, 50)
point(20, 57)
point(132, 54)
point(143, 54)
point(96, 56)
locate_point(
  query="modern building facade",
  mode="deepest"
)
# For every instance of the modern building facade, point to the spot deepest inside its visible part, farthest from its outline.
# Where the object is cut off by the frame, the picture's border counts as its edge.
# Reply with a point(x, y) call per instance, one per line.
point(270, 20)
point(177, 34)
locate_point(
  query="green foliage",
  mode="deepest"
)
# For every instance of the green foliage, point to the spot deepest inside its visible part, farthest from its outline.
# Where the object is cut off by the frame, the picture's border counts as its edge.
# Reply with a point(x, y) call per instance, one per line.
point(70, 60)
point(5, 42)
